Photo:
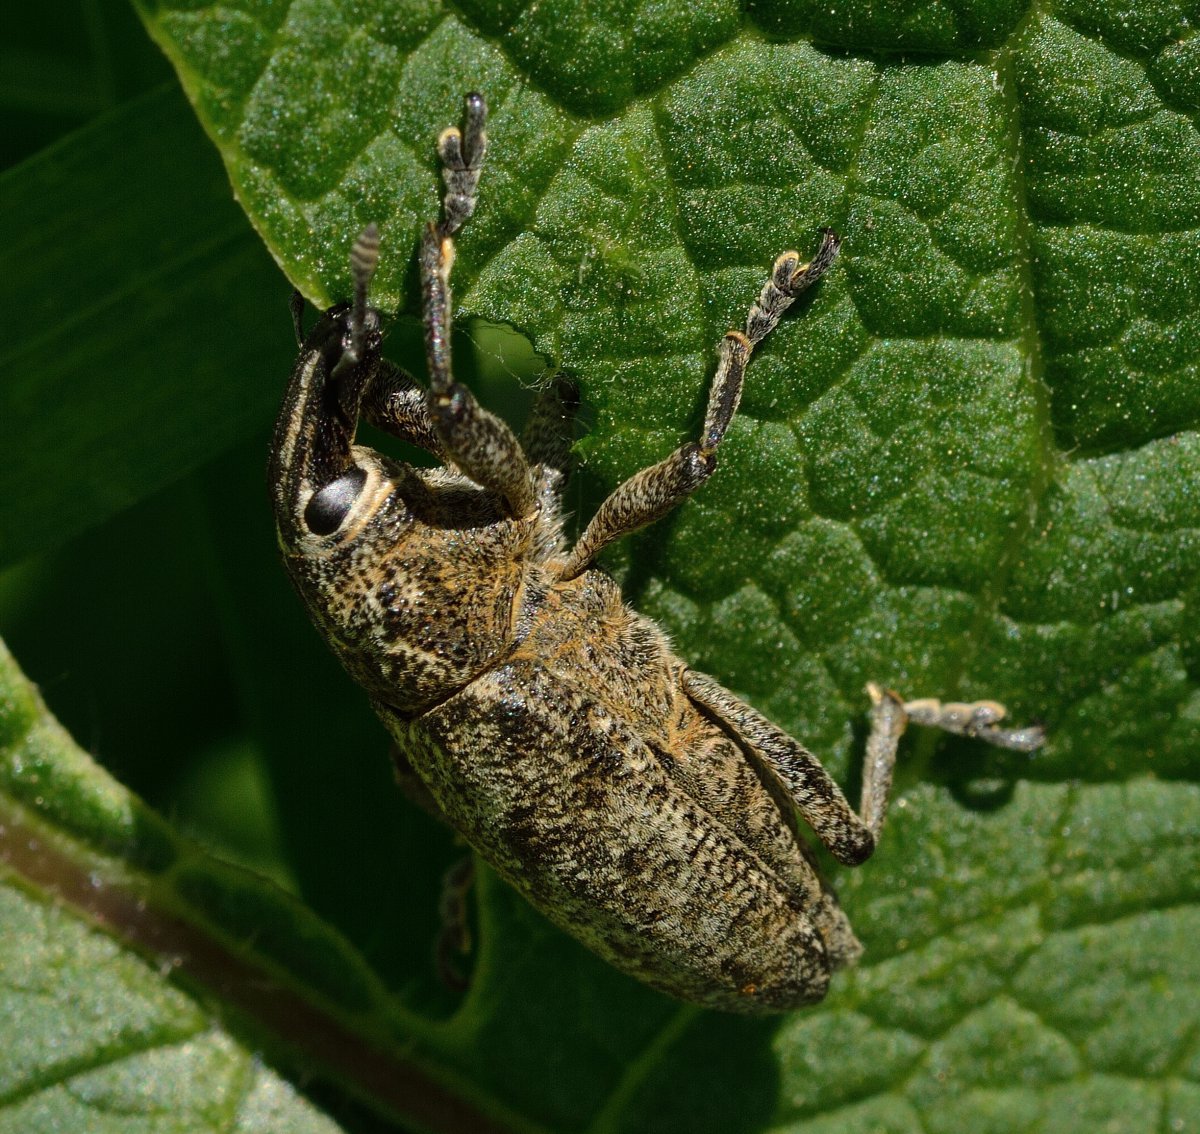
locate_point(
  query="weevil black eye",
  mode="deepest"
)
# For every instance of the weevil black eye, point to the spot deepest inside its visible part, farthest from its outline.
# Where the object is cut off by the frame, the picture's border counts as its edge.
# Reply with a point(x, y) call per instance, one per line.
point(328, 507)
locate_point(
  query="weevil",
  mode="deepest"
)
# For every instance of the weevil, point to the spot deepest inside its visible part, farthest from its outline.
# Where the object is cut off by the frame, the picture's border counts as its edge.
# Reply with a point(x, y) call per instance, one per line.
point(634, 801)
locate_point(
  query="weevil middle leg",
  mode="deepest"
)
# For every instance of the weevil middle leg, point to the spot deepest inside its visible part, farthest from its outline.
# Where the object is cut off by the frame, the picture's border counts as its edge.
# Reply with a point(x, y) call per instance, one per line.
point(650, 494)
point(547, 440)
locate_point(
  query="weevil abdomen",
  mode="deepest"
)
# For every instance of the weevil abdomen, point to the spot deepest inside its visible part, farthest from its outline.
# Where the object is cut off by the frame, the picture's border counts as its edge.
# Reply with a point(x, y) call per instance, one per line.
point(585, 774)
point(578, 813)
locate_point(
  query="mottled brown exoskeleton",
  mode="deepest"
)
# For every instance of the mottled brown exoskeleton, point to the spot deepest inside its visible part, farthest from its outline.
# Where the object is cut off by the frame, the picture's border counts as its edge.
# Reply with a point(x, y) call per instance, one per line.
point(635, 802)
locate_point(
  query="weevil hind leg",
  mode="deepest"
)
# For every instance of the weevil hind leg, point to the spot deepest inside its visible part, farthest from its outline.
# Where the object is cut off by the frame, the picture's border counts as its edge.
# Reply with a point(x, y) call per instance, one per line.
point(806, 783)
point(730, 786)
point(851, 837)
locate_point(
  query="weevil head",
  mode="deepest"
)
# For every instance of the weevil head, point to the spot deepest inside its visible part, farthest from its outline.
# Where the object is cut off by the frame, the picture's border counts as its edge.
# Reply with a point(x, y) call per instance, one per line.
point(412, 575)
point(312, 472)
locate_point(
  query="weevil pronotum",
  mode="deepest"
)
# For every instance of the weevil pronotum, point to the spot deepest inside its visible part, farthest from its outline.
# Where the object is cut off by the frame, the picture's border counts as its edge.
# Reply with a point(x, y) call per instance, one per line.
point(634, 801)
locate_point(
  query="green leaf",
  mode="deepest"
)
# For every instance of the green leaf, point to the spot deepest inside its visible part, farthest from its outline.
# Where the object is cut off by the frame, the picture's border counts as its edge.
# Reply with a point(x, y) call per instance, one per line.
point(105, 1044)
point(968, 465)
point(137, 349)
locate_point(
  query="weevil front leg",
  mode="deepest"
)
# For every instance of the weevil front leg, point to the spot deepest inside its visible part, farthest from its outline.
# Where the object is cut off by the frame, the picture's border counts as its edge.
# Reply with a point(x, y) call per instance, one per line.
point(851, 837)
point(476, 441)
point(395, 403)
point(650, 494)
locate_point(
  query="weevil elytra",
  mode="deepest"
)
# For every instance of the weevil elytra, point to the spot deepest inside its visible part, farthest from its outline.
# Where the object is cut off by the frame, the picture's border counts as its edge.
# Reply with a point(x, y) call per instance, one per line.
point(634, 801)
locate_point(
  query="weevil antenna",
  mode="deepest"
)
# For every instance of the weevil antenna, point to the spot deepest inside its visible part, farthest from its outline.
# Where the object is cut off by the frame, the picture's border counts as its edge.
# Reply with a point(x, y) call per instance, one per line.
point(364, 258)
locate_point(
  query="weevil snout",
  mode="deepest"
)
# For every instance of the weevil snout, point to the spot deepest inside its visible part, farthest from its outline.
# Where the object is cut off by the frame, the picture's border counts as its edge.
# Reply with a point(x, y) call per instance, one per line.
point(334, 334)
point(313, 469)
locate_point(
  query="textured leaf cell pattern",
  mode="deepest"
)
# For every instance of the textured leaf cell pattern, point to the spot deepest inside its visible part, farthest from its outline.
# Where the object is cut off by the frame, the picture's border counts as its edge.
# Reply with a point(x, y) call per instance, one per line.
point(970, 465)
